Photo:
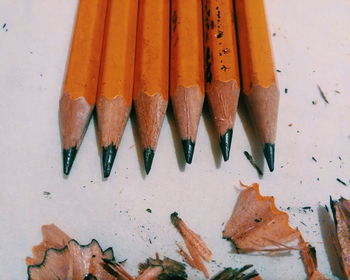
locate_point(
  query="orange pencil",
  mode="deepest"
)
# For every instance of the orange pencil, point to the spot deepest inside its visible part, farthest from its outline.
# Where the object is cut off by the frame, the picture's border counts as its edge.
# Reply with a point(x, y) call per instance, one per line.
point(79, 92)
point(151, 73)
point(114, 97)
point(221, 75)
point(258, 73)
point(187, 70)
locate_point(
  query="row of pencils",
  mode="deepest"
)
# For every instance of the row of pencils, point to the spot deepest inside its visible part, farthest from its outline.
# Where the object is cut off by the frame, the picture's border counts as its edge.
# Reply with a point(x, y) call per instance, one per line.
point(139, 52)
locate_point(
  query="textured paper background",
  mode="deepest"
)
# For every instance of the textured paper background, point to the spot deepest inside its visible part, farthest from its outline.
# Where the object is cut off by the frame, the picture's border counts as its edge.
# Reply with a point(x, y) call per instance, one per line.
point(311, 46)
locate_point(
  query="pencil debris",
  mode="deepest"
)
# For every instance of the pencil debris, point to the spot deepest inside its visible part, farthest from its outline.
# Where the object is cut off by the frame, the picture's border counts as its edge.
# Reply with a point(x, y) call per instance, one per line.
point(272, 233)
point(198, 250)
point(322, 94)
point(59, 256)
point(341, 216)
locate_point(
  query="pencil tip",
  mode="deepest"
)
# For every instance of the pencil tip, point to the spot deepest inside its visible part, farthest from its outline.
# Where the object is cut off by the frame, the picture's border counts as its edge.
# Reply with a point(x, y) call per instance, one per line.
point(269, 152)
point(148, 155)
point(108, 156)
point(225, 144)
point(188, 147)
point(68, 159)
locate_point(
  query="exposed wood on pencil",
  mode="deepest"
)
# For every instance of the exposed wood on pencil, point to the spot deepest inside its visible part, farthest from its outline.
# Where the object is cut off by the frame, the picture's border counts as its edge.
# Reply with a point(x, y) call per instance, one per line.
point(79, 92)
point(258, 74)
point(187, 70)
point(114, 97)
point(151, 73)
point(221, 75)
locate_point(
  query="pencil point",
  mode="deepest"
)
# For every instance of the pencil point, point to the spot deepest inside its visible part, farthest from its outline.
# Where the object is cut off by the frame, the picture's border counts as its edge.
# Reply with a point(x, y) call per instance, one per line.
point(148, 155)
point(269, 152)
point(108, 156)
point(225, 144)
point(68, 159)
point(188, 147)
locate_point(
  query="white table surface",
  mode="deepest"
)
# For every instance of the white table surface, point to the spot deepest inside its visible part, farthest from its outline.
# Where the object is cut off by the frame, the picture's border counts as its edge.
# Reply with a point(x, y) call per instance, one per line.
point(311, 46)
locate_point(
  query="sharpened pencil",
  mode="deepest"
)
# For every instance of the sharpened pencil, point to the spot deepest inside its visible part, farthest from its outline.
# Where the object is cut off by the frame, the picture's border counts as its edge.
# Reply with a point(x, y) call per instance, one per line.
point(187, 70)
point(258, 73)
point(79, 93)
point(221, 68)
point(114, 97)
point(151, 73)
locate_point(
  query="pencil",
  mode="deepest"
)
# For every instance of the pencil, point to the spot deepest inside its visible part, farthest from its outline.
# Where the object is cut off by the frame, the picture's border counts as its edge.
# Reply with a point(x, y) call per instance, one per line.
point(221, 68)
point(187, 70)
point(151, 73)
point(79, 91)
point(114, 97)
point(258, 75)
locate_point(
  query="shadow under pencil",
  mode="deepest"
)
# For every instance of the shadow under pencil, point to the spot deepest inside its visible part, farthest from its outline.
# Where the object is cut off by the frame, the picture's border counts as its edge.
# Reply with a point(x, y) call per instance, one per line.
point(139, 150)
point(253, 137)
point(213, 136)
point(176, 139)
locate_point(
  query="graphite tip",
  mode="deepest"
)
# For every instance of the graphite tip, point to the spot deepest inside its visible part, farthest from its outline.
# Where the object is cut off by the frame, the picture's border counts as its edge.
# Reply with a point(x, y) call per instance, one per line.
point(188, 147)
point(108, 156)
point(269, 152)
point(225, 144)
point(148, 155)
point(68, 159)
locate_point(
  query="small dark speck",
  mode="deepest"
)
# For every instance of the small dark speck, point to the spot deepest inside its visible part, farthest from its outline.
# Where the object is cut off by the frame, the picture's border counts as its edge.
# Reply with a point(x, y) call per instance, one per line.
point(298, 131)
point(150, 241)
point(341, 182)
point(288, 208)
point(258, 220)
point(307, 208)
point(91, 181)
point(224, 68)
point(220, 34)
point(41, 75)
point(94, 256)
point(337, 91)
point(314, 102)
point(226, 50)
point(46, 193)
point(314, 159)
point(4, 25)
point(273, 34)
point(279, 71)
point(83, 187)
point(340, 158)
point(303, 223)
point(286, 90)
point(149, 210)
point(318, 179)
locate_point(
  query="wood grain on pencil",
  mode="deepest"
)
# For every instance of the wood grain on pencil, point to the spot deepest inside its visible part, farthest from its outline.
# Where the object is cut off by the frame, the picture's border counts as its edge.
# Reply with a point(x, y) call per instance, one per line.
point(79, 93)
point(151, 73)
point(258, 73)
point(114, 97)
point(221, 69)
point(187, 70)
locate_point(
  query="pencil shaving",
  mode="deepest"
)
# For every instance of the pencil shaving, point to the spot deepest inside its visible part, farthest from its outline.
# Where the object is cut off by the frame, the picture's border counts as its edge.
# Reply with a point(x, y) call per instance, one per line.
point(257, 225)
point(308, 255)
point(341, 214)
point(198, 250)
point(60, 257)
point(237, 274)
point(151, 269)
